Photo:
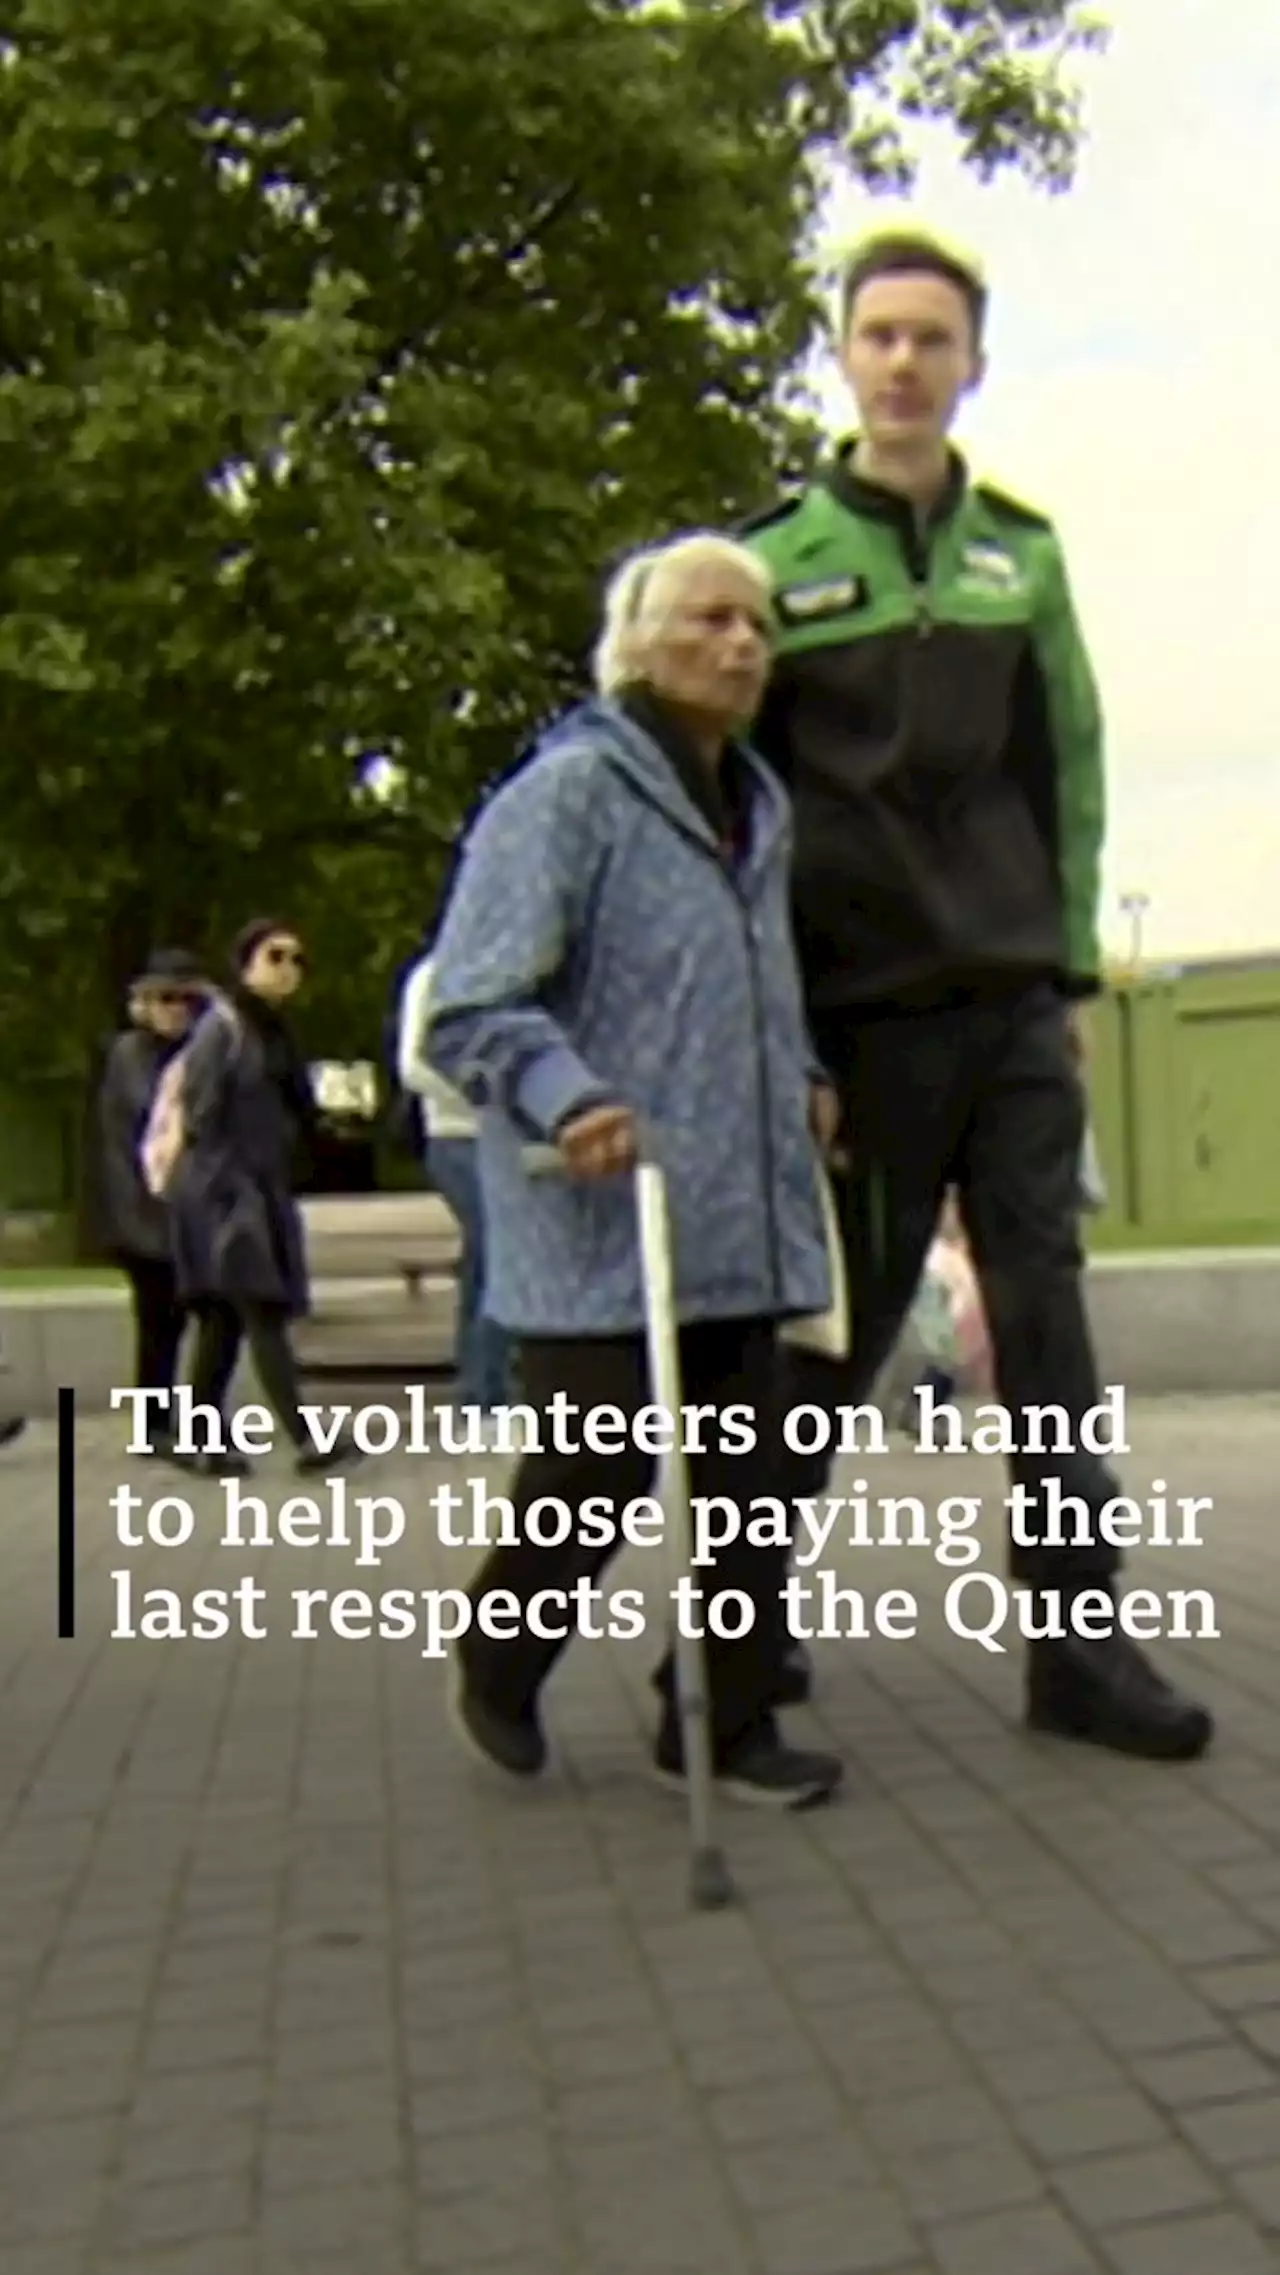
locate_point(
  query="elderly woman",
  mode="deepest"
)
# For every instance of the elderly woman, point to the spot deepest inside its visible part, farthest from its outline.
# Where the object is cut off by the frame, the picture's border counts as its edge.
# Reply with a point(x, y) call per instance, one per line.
point(165, 1000)
point(616, 961)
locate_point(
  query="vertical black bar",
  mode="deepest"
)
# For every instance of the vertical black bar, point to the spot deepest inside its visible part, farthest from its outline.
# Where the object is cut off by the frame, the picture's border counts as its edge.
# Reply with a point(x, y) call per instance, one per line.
point(66, 1515)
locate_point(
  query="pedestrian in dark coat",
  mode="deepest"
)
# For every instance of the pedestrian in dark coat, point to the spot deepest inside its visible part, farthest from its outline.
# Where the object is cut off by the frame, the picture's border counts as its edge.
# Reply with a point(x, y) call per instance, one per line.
point(164, 1001)
point(238, 1239)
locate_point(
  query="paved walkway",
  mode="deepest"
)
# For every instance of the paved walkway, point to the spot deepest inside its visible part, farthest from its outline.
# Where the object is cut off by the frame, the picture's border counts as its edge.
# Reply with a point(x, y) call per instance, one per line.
point(285, 1985)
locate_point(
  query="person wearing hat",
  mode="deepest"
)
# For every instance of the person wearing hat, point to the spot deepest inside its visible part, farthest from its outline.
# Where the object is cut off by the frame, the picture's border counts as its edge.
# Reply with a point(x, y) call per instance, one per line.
point(163, 1001)
point(238, 1242)
point(933, 710)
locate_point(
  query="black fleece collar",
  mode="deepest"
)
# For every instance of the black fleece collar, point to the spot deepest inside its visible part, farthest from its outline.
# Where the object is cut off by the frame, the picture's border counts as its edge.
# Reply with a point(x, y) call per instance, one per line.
point(721, 794)
point(876, 503)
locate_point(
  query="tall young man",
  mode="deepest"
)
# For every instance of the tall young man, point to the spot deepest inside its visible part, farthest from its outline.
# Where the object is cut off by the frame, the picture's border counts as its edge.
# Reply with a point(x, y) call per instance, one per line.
point(933, 711)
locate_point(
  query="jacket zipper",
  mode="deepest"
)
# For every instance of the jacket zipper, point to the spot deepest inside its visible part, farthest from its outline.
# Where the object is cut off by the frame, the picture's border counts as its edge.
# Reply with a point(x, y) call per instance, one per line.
point(917, 551)
point(722, 862)
point(763, 1093)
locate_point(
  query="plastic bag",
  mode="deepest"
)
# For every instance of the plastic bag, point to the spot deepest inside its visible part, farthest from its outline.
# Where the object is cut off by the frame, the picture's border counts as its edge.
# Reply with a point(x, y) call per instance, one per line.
point(1092, 1183)
point(948, 1316)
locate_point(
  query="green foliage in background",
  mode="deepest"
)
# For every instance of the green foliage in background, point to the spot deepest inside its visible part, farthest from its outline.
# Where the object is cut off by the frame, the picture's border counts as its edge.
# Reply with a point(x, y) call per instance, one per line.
point(343, 345)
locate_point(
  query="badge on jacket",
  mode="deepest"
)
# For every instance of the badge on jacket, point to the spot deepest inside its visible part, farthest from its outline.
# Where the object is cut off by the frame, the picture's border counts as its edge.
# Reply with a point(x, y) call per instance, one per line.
point(988, 565)
point(827, 596)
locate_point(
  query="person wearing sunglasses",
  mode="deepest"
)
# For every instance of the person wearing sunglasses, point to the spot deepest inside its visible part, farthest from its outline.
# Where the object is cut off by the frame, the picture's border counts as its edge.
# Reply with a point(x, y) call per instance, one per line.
point(164, 1000)
point(238, 1244)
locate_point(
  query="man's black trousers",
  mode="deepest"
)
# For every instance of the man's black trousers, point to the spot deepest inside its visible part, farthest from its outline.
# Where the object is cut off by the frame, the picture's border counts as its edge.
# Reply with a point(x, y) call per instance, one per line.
point(732, 1363)
point(985, 1096)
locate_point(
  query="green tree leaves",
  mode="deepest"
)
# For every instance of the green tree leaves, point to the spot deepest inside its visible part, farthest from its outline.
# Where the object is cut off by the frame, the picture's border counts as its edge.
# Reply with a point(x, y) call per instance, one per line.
point(343, 344)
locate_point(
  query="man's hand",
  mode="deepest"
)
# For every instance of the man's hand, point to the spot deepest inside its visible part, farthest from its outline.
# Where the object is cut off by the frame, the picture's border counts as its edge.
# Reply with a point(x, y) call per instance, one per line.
point(824, 1115)
point(1078, 1032)
point(600, 1143)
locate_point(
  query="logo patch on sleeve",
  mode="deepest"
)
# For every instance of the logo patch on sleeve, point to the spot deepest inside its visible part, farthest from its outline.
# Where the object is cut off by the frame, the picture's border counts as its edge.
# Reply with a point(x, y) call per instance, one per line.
point(989, 566)
point(827, 596)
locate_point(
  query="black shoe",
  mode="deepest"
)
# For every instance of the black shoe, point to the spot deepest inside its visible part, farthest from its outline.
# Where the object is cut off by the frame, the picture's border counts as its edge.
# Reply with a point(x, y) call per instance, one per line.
point(760, 1770)
point(513, 1743)
point(12, 1430)
point(345, 1454)
point(228, 1464)
point(1108, 1694)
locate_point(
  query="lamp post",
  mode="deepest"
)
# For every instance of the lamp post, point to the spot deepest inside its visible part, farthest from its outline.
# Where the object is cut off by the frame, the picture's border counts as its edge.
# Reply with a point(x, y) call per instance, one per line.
point(1135, 906)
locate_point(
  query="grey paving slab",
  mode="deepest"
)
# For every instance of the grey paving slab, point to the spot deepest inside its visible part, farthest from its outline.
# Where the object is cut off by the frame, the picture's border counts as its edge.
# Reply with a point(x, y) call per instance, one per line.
point(286, 1984)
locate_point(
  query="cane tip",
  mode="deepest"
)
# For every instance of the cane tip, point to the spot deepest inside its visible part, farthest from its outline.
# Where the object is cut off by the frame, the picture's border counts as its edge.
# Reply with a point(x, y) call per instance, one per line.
point(711, 1886)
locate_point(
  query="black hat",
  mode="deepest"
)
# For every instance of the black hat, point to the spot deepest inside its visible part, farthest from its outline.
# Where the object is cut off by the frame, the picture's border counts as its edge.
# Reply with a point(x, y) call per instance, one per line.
point(171, 967)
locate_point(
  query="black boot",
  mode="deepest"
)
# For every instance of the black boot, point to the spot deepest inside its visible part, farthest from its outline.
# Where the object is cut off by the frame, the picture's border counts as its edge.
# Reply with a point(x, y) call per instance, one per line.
point(204, 1463)
point(503, 1739)
point(344, 1453)
point(1107, 1693)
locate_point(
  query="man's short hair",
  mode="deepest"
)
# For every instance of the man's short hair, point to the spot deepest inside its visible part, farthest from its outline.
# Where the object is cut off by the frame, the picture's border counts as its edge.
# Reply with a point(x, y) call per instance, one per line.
point(913, 252)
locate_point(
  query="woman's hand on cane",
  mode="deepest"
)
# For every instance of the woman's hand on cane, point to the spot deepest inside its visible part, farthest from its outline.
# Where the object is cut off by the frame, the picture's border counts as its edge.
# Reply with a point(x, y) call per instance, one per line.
point(603, 1142)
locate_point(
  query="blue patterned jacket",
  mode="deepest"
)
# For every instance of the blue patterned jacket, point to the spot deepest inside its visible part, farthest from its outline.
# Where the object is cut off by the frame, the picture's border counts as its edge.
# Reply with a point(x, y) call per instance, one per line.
point(598, 945)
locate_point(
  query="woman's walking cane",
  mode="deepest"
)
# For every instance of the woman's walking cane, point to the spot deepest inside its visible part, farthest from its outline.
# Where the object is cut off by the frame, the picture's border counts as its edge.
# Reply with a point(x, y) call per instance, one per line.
point(710, 1881)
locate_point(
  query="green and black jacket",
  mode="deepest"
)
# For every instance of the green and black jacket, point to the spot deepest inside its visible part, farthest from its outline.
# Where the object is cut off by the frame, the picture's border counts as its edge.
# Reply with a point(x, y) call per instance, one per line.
point(935, 717)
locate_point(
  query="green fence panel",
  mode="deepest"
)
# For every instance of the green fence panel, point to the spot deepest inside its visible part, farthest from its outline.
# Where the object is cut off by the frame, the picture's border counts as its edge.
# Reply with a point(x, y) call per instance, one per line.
point(1185, 1092)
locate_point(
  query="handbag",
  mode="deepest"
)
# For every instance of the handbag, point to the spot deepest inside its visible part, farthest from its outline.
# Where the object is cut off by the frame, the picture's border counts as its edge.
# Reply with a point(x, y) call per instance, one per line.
point(164, 1137)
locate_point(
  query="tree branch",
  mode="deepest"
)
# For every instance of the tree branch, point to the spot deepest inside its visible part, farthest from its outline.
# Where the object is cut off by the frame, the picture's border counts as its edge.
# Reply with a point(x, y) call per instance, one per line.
point(392, 361)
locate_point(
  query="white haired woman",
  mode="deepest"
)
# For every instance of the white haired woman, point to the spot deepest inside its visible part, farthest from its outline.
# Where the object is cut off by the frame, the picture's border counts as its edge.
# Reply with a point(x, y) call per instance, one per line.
point(616, 959)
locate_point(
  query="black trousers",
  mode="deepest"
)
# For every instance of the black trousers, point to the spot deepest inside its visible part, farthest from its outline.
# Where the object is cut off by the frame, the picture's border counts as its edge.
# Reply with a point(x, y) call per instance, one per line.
point(159, 1321)
point(723, 1364)
point(984, 1096)
point(223, 1330)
